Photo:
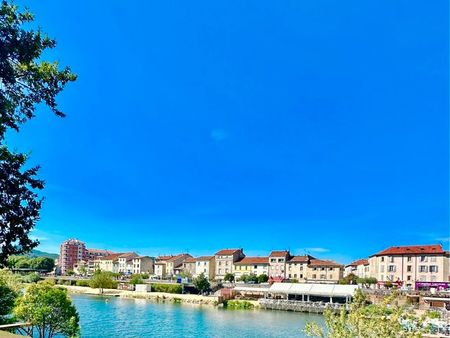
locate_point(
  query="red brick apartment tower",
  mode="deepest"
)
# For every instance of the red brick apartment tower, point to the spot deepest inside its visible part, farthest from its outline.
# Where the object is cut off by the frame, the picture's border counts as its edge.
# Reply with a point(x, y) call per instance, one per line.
point(72, 251)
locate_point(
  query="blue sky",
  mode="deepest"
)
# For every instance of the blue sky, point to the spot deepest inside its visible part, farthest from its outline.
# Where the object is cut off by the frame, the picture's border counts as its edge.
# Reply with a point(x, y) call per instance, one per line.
point(316, 126)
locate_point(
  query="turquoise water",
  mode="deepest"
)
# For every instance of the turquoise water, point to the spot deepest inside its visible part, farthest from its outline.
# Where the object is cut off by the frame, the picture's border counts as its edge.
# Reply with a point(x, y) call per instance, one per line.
point(140, 318)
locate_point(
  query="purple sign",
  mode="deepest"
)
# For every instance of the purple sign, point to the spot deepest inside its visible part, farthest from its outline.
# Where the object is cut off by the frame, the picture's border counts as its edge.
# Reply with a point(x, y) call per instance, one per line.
point(438, 285)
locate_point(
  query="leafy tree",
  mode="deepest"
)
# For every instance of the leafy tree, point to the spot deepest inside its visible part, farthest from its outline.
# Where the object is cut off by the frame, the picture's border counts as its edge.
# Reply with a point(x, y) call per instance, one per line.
point(145, 275)
point(229, 277)
point(9, 290)
point(102, 280)
point(31, 278)
point(250, 278)
point(263, 278)
point(201, 283)
point(386, 320)
point(136, 279)
point(49, 310)
point(26, 81)
point(351, 278)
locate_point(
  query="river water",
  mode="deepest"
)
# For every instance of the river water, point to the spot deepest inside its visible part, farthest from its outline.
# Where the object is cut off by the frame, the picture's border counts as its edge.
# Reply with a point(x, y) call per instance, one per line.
point(132, 318)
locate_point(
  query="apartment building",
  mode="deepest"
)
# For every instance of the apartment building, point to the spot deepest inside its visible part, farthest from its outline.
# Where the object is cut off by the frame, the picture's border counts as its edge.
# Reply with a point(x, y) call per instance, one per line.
point(248, 265)
point(143, 264)
point(277, 265)
point(205, 265)
point(409, 265)
point(71, 252)
point(324, 271)
point(109, 263)
point(225, 260)
point(359, 268)
point(189, 266)
point(93, 255)
point(297, 267)
point(160, 265)
point(125, 262)
point(176, 263)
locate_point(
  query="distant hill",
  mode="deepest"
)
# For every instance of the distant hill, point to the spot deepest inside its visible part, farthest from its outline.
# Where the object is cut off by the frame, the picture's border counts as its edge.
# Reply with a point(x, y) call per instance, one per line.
point(38, 253)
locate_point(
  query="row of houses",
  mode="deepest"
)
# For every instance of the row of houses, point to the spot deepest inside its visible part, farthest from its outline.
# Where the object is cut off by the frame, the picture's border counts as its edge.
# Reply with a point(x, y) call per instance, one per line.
point(404, 265)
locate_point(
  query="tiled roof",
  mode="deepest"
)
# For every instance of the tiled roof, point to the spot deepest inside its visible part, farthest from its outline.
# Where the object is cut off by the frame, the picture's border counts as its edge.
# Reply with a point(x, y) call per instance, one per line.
point(300, 259)
point(128, 255)
point(227, 251)
point(282, 253)
point(359, 262)
point(253, 261)
point(321, 262)
point(112, 257)
point(412, 250)
point(100, 251)
point(164, 258)
point(174, 258)
point(204, 258)
point(190, 260)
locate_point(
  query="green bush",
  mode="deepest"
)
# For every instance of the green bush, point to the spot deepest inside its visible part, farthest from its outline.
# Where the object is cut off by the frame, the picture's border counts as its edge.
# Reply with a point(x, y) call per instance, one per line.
point(31, 278)
point(168, 288)
point(238, 305)
point(82, 282)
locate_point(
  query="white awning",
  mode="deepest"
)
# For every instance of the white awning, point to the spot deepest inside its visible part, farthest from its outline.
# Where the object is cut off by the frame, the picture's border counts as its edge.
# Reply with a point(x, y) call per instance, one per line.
point(324, 290)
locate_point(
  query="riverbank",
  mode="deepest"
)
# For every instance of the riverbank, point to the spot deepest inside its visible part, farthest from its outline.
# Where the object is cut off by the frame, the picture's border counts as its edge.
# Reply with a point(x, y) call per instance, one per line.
point(151, 296)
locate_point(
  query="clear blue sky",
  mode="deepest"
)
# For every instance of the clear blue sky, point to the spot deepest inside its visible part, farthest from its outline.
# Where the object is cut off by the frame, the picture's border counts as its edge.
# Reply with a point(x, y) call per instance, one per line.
point(317, 126)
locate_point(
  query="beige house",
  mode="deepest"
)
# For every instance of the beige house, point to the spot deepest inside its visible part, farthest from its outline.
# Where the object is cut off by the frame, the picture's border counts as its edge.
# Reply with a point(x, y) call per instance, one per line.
point(277, 265)
point(205, 265)
point(297, 267)
point(175, 262)
point(248, 265)
point(160, 266)
point(189, 266)
point(359, 268)
point(109, 263)
point(324, 271)
point(225, 260)
point(407, 265)
point(143, 264)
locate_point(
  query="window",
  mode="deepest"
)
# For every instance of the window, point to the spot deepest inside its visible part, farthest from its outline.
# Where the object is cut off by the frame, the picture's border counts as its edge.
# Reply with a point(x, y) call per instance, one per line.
point(301, 275)
point(273, 260)
point(433, 268)
point(409, 259)
point(280, 260)
point(423, 258)
point(391, 268)
point(408, 268)
point(295, 275)
point(255, 266)
point(314, 276)
point(331, 269)
point(382, 259)
point(323, 269)
point(301, 267)
point(382, 268)
point(423, 268)
point(323, 276)
point(314, 269)
point(408, 277)
point(331, 276)
point(290, 276)
point(391, 259)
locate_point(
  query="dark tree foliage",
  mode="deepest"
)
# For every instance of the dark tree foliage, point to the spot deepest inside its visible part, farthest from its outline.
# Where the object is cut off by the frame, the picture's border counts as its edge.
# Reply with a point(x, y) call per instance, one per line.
point(25, 82)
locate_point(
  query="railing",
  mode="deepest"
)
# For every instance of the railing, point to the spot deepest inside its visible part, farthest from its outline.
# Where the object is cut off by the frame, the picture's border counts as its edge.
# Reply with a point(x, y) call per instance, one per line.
point(300, 306)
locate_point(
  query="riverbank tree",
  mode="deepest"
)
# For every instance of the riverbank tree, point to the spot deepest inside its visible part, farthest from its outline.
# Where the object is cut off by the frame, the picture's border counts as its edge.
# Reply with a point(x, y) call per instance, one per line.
point(26, 82)
point(201, 283)
point(364, 320)
point(49, 310)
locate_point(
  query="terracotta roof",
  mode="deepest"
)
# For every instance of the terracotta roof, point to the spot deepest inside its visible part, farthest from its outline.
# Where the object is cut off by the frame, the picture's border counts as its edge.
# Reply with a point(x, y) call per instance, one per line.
point(204, 258)
point(227, 251)
point(128, 255)
point(164, 258)
point(174, 258)
point(253, 261)
point(321, 262)
point(190, 260)
point(300, 259)
point(100, 251)
point(112, 257)
point(282, 253)
point(359, 262)
point(412, 250)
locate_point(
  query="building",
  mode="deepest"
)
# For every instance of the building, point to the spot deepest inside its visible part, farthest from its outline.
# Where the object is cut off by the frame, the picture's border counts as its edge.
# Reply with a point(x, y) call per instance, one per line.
point(125, 262)
point(324, 271)
point(410, 265)
point(205, 265)
point(143, 264)
point(248, 265)
point(297, 266)
point(109, 263)
point(176, 263)
point(72, 251)
point(189, 266)
point(225, 260)
point(93, 255)
point(277, 265)
point(359, 268)
point(160, 265)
